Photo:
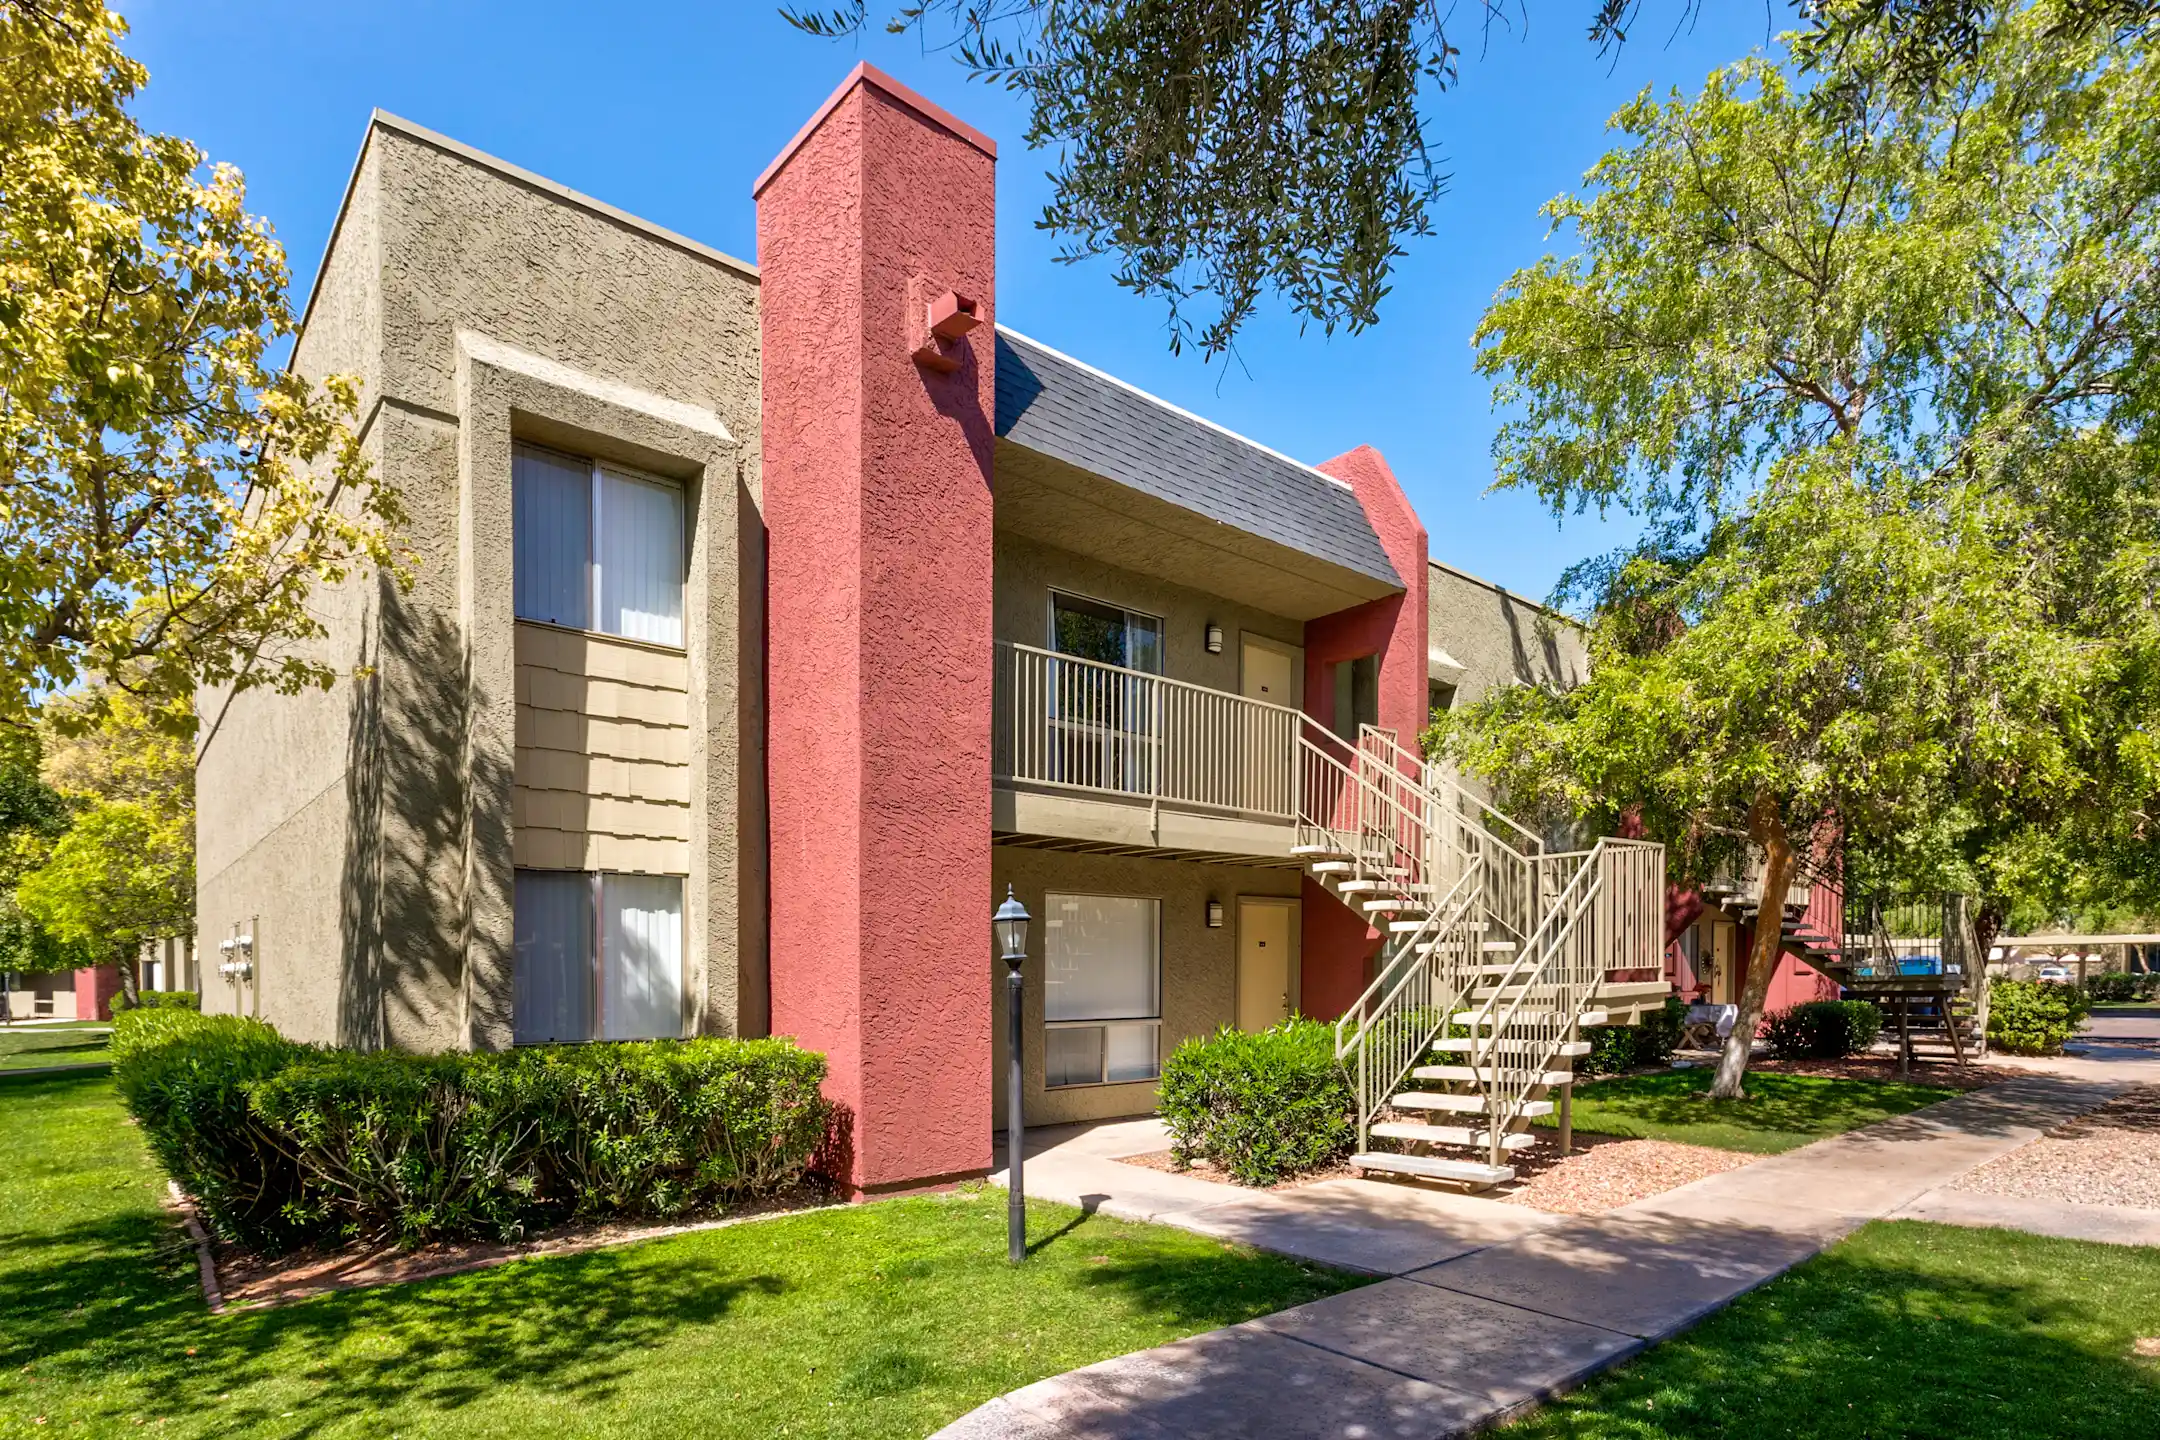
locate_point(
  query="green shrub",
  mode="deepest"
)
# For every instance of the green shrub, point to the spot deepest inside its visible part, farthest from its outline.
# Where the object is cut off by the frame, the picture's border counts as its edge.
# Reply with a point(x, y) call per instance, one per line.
point(1650, 1041)
point(2121, 985)
point(185, 1077)
point(159, 1000)
point(1260, 1107)
point(281, 1142)
point(1823, 1029)
point(2033, 1017)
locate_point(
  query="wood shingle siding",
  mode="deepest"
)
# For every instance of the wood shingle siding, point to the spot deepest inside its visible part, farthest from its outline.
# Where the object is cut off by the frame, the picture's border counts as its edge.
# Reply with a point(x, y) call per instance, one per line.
point(603, 754)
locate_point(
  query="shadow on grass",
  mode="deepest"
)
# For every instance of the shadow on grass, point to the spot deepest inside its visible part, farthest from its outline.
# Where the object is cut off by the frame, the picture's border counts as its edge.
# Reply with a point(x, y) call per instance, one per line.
point(1777, 1109)
point(1909, 1330)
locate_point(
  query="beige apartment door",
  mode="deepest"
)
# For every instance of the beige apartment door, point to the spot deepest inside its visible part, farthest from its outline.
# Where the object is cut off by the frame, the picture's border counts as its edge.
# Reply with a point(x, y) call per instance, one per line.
point(1267, 961)
point(1270, 672)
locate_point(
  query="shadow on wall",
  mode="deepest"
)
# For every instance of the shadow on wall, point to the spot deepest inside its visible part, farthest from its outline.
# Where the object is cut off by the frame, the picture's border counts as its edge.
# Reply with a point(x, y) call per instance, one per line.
point(1536, 654)
point(401, 911)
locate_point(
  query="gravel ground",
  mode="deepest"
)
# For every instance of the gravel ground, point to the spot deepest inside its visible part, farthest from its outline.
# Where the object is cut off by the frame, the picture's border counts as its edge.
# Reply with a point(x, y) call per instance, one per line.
point(2108, 1157)
point(1604, 1174)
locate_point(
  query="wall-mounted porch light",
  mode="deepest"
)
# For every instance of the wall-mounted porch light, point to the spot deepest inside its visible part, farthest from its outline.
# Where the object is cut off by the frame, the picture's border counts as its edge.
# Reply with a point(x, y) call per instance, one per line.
point(1214, 638)
point(1214, 914)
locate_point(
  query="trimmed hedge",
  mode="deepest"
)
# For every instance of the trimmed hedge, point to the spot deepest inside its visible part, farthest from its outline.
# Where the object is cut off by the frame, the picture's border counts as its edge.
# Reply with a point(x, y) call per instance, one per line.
point(2122, 985)
point(1649, 1041)
point(159, 1000)
point(1823, 1029)
point(1259, 1107)
point(282, 1143)
point(2034, 1017)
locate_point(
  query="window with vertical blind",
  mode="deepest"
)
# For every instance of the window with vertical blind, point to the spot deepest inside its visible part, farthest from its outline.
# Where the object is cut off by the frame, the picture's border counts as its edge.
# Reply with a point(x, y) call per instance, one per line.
point(596, 547)
point(598, 957)
point(1102, 993)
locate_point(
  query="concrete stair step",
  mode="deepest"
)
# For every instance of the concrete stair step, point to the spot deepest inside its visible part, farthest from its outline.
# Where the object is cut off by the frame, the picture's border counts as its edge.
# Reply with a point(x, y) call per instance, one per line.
point(1460, 1104)
point(1364, 887)
point(1333, 867)
point(1394, 907)
point(1585, 1018)
point(1411, 1130)
point(1433, 1167)
point(1471, 1075)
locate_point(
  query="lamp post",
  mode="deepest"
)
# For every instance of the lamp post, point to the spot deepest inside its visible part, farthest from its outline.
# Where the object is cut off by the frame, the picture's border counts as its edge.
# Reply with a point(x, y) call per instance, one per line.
point(1009, 924)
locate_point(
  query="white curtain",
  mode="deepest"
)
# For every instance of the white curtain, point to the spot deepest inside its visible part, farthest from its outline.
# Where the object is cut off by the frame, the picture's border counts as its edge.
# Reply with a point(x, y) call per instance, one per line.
point(1101, 958)
point(641, 979)
point(640, 559)
point(551, 521)
point(552, 984)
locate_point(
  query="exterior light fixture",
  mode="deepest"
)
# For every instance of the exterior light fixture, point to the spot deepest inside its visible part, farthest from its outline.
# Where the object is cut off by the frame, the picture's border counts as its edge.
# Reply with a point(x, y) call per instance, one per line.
point(1214, 914)
point(1214, 638)
point(1009, 925)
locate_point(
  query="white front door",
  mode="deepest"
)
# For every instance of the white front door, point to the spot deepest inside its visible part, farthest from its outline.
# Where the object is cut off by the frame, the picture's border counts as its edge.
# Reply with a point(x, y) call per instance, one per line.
point(1266, 937)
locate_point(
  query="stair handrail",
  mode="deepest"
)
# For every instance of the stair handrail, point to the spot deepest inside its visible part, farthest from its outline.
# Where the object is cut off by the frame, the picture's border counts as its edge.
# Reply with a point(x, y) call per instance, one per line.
point(1372, 1002)
point(1406, 829)
point(1547, 948)
point(1422, 771)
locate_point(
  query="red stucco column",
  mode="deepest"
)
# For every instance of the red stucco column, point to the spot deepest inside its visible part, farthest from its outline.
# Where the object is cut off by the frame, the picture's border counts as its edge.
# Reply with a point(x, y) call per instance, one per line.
point(876, 468)
point(1334, 944)
point(96, 986)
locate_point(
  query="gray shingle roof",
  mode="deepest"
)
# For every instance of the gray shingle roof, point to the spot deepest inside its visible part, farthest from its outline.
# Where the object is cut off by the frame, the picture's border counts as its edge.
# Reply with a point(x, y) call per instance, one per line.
point(1052, 403)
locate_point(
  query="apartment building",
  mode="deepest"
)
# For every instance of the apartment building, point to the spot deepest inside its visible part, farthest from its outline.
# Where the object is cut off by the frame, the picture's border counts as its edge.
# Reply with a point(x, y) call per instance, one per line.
point(767, 623)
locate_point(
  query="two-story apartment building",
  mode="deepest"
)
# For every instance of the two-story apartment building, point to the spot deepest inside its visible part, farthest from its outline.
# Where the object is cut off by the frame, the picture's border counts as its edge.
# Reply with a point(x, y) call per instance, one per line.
point(765, 624)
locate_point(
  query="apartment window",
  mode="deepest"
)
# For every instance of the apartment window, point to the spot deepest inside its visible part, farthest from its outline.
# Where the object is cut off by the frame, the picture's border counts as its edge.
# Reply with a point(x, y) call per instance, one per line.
point(1102, 997)
point(599, 957)
point(596, 547)
point(1095, 631)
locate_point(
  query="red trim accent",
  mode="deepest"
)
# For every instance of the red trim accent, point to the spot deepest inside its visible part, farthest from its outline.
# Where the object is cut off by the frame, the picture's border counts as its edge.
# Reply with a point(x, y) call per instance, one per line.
point(866, 73)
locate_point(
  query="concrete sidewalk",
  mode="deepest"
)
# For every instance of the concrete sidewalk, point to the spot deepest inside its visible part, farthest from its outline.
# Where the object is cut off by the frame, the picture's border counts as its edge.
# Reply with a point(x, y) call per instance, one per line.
point(1503, 1320)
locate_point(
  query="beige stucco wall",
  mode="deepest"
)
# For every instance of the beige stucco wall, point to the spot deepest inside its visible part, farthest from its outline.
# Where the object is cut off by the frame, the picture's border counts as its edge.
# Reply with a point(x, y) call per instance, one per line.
point(1027, 571)
point(369, 828)
point(1199, 965)
point(1499, 637)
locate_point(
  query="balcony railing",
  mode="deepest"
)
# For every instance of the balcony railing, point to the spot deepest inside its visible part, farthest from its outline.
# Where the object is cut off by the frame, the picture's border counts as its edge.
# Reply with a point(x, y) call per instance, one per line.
point(1073, 724)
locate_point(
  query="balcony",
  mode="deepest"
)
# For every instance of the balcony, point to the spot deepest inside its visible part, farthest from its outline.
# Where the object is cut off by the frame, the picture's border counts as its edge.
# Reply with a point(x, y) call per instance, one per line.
point(1086, 751)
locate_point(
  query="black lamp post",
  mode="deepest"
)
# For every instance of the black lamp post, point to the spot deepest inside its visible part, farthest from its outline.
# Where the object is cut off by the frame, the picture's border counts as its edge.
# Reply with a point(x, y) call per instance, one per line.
point(1009, 924)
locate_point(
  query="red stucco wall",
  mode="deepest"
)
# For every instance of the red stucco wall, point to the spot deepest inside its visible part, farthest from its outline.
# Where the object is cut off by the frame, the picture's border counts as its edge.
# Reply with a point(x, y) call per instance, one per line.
point(95, 988)
point(877, 500)
point(1336, 945)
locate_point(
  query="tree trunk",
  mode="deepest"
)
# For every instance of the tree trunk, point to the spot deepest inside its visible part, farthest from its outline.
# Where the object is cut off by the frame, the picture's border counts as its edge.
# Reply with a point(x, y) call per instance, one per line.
point(1778, 867)
point(130, 985)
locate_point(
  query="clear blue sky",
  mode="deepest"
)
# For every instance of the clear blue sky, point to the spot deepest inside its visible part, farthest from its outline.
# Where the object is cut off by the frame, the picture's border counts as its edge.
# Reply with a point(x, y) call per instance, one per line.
point(670, 110)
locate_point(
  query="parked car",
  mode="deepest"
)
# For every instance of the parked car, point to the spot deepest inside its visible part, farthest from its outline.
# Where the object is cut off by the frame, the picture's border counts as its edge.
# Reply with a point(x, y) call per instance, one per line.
point(2060, 974)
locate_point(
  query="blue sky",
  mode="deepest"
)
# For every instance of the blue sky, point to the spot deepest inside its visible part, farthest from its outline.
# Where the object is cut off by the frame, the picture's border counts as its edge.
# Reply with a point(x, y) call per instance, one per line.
point(670, 110)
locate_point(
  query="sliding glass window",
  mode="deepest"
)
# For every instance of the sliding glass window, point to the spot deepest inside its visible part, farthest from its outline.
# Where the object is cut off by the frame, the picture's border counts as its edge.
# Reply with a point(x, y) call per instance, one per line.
point(596, 547)
point(598, 957)
point(1103, 989)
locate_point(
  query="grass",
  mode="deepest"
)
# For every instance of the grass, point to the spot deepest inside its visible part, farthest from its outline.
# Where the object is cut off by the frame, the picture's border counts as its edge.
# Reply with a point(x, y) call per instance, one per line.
point(66, 1043)
point(1781, 1112)
point(880, 1320)
point(1905, 1329)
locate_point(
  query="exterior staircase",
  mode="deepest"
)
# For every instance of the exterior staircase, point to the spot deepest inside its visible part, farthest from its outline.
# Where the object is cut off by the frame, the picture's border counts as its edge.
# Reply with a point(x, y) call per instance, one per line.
point(1496, 956)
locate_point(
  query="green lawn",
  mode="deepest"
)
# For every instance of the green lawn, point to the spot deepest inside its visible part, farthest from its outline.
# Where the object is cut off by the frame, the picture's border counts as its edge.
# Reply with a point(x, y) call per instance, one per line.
point(1781, 1112)
point(1903, 1330)
point(69, 1043)
point(881, 1320)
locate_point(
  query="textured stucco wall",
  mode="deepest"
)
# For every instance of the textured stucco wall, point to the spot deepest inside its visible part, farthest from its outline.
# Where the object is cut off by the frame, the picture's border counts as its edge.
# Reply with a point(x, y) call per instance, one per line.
point(1337, 943)
point(1499, 637)
point(1027, 572)
point(369, 828)
point(1199, 965)
point(878, 503)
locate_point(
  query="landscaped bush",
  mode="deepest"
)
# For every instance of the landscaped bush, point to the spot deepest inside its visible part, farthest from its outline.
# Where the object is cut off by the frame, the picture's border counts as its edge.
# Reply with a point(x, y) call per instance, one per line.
point(1823, 1029)
point(280, 1142)
point(185, 1077)
point(1649, 1041)
point(159, 1000)
point(2121, 985)
point(1260, 1107)
point(2033, 1017)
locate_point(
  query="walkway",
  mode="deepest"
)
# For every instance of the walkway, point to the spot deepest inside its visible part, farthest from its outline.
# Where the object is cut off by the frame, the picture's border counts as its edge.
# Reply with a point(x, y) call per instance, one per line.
point(1518, 1306)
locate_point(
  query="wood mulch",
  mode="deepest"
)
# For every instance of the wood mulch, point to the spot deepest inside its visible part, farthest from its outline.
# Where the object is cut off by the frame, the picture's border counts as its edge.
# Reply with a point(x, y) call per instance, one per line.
point(1976, 1076)
point(2109, 1156)
point(1202, 1170)
point(1606, 1172)
point(244, 1278)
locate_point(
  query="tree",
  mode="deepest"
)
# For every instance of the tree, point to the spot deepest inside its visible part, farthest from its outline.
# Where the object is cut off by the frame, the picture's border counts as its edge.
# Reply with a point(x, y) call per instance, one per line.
point(172, 499)
point(122, 871)
point(32, 815)
point(1873, 374)
point(1227, 150)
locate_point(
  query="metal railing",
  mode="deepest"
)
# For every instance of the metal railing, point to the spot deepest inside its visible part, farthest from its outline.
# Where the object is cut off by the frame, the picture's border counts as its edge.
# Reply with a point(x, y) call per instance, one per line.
point(1083, 725)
